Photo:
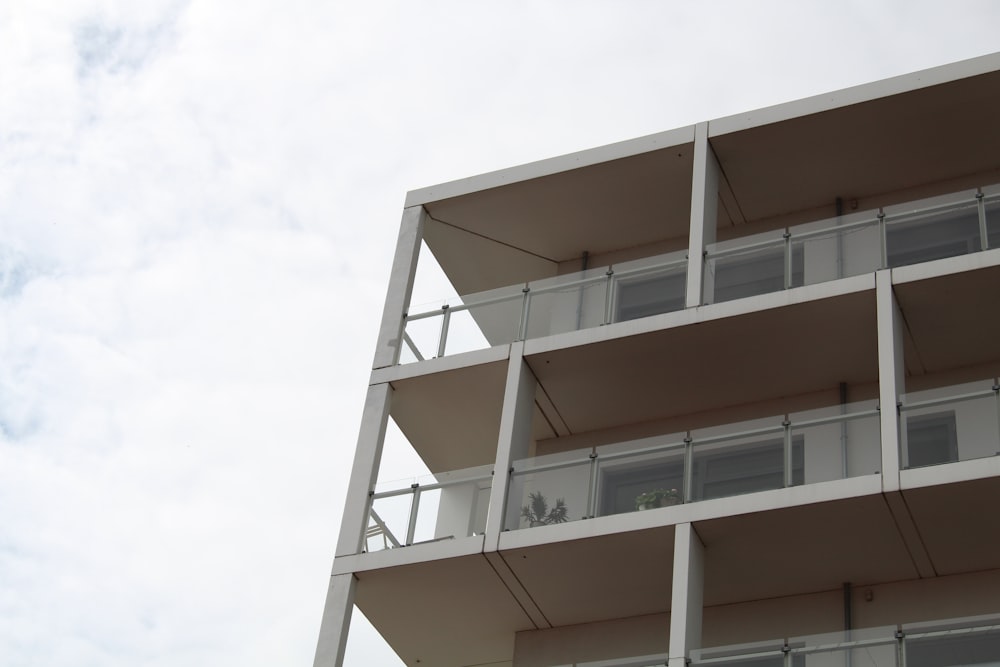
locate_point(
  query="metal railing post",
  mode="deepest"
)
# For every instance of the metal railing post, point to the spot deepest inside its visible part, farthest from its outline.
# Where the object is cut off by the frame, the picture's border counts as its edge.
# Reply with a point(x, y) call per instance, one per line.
point(883, 247)
point(788, 451)
point(688, 467)
point(984, 236)
point(788, 258)
point(522, 326)
point(592, 491)
point(411, 527)
point(443, 336)
point(608, 294)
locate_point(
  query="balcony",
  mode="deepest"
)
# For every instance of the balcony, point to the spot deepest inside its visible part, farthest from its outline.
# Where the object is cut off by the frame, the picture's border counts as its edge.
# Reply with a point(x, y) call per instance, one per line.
point(431, 508)
point(972, 641)
point(571, 302)
point(831, 443)
point(816, 252)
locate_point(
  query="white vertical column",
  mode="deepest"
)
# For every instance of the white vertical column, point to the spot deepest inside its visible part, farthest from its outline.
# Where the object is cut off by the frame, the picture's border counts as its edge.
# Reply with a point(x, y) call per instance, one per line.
point(704, 212)
point(514, 440)
point(397, 298)
point(687, 596)
point(891, 375)
point(336, 621)
point(371, 436)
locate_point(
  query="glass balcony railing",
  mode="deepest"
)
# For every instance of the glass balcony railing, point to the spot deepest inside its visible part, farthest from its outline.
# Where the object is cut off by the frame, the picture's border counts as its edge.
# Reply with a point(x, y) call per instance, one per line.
point(968, 642)
point(429, 509)
point(947, 424)
point(560, 304)
point(853, 244)
point(655, 660)
point(831, 443)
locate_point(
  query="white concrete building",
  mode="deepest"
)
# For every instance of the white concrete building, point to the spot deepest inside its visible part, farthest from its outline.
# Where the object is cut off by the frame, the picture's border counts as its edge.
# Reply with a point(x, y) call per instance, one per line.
point(777, 334)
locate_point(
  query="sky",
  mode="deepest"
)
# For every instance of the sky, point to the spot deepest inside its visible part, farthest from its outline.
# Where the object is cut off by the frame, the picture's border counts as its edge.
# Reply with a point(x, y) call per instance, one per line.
point(199, 202)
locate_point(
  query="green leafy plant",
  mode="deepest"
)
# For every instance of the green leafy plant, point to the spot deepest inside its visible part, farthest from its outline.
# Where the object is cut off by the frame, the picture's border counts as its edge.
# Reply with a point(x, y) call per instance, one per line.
point(537, 512)
point(657, 498)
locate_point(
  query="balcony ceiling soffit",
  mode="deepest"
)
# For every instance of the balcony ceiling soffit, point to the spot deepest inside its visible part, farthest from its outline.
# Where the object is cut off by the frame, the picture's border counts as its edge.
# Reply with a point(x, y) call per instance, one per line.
point(410, 605)
point(803, 549)
point(600, 208)
point(951, 321)
point(733, 361)
point(957, 539)
point(452, 419)
point(926, 136)
point(601, 578)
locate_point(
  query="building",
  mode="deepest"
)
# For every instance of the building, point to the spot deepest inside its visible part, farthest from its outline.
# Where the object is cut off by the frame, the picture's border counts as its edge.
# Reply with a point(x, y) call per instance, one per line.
point(777, 334)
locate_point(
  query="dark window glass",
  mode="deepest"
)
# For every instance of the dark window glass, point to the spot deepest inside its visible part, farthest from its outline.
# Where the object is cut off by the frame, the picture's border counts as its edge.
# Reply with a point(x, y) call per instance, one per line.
point(760, 272)
point(931, 439)
point(621, 486)
point(946, 235)
point(649, 296)
point(978, 648)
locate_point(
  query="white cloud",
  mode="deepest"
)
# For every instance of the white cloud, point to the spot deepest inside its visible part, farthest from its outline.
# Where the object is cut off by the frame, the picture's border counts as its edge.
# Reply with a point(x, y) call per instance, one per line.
point(198, 205)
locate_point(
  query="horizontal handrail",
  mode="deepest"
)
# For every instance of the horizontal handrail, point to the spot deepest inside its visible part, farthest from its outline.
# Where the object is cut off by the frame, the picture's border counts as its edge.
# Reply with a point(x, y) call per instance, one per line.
point(547, 289)
point(428, 487)
point(585, 458)
point(944, 400)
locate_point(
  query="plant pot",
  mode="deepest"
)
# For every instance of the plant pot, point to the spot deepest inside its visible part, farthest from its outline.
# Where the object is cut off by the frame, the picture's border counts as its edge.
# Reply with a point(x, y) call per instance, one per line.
point(536, 524)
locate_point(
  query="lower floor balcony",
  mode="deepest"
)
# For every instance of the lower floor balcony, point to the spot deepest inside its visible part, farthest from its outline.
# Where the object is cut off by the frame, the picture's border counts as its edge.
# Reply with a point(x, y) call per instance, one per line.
point(966, 642)
point(957, 423)
point(831, 443)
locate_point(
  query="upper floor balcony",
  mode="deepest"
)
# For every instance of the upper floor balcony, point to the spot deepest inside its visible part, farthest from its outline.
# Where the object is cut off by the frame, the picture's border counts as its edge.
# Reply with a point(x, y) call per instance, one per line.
point(785, 258)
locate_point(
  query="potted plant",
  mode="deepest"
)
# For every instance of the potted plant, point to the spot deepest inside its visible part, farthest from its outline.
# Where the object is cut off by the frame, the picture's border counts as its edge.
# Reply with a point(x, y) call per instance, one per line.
point(537, 512)
point(657, 498)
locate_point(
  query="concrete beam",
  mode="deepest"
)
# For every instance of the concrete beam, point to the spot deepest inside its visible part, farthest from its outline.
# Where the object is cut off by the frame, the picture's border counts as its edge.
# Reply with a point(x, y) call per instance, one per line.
point(397, 298)
point(704, 213)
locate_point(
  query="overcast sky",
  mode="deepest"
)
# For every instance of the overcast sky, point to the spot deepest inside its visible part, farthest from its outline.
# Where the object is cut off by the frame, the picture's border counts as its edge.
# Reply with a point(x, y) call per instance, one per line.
point(198, 206)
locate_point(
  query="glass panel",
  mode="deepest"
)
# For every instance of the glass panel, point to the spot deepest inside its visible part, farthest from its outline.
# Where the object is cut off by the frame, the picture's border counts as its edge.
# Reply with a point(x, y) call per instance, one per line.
point(567, 303)
point(922, 236)
point(955, 647)
point(488, 319)
point(867, 647)
point(738, 464)
point(462, 503)
point(842, 444)
point(748, 266)
point(757, 654)
point(640, 475)
point(449, 505)
point(642, 293)
point(549, 489)
point(837, 248)
point(993, 221)
point(946, 424)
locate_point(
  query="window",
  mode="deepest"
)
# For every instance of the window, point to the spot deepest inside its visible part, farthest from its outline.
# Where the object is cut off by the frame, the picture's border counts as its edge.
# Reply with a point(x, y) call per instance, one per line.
point(931, 439)
point(642, 297)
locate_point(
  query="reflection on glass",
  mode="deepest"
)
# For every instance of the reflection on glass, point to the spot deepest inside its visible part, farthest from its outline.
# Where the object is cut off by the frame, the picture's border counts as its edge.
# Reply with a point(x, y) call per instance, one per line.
point(917, 237)
point(947, 424)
